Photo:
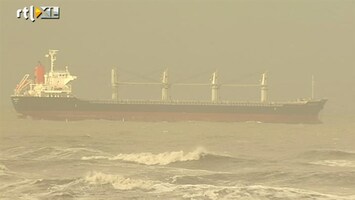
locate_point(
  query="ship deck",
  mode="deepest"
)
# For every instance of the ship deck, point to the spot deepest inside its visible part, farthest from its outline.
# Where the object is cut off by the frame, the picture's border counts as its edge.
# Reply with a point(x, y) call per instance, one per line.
point(194, 102)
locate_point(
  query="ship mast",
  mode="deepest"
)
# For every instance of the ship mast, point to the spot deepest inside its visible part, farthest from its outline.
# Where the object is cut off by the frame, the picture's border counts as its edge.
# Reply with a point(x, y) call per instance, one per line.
point(52, 54)
point(114, 84)
point(215, 87)
point(165, 86)
point(264, 88)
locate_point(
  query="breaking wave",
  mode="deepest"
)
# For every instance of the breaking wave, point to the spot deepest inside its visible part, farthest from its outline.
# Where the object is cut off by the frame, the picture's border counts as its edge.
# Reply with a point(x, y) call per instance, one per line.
point(97, 182)
point(335, 163)
point(156, 159)
point(117, 181)
point(206, 191)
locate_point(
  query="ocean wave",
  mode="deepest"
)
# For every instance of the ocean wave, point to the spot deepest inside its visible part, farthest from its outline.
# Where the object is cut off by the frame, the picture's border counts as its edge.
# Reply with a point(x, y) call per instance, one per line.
point(206, 191)
point(99, 182)
point(328, 154)
point(71, 153)
point(16, 186)
point(335, 163)
point(60, 195)
point(251, 192)
point(3, 168)
point(117, 181)
point(156, 159)
point(51, 153)
point(40, 189)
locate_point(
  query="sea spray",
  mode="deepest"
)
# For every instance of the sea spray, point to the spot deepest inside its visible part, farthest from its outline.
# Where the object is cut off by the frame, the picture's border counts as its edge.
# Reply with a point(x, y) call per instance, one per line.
point(156, 159)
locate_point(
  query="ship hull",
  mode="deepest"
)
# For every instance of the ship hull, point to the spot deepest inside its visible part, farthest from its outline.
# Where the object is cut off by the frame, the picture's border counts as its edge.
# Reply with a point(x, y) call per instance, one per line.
point(71, 108)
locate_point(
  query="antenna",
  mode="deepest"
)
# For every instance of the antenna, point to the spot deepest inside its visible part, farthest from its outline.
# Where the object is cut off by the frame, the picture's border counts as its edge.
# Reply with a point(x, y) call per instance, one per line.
point(52, 54)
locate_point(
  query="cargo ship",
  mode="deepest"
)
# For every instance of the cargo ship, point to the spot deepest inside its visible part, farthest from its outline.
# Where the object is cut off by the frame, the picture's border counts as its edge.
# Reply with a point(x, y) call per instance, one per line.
point(49, 96)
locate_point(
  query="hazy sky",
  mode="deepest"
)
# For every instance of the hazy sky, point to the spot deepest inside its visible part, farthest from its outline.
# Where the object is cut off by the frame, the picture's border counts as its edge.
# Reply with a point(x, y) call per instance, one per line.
point(292, 40)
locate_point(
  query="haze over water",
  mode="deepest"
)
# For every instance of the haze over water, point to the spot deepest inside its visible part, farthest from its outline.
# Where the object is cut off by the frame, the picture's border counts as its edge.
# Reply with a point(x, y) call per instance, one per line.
point(89, 160)
point(292, 40)
point(183, 160)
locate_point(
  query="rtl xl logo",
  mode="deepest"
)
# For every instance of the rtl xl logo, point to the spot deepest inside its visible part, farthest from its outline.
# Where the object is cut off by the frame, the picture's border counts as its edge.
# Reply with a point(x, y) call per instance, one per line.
point(44, 12)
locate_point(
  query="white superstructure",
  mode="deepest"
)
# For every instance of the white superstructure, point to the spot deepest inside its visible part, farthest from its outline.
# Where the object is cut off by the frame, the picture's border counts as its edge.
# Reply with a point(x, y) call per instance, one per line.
point(55, 83)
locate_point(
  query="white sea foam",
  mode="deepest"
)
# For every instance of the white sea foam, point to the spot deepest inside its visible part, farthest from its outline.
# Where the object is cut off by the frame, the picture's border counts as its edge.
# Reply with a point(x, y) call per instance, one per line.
point(155, 159)
point(206, 191)
point(252, 192)
point(117, 181)
point(3, 169)
point(17, 185)
point(190, 191)
point(335, 163)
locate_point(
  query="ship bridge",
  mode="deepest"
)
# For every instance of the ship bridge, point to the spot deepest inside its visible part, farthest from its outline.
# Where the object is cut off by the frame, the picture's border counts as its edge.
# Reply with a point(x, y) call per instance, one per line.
point(55, 83)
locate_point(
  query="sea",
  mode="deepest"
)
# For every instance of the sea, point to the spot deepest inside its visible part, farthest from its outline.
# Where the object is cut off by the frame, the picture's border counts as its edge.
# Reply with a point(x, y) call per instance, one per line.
point(113, 160)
